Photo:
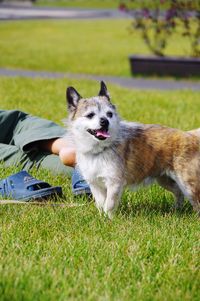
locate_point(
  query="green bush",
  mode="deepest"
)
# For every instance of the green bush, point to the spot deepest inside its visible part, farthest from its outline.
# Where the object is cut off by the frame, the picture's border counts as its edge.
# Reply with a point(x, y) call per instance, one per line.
point(159, 20)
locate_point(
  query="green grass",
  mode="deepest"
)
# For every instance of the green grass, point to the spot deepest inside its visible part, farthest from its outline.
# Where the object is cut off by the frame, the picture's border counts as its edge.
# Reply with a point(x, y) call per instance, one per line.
point(80, 3)
point(103, 4)
point(148, 252)
point(42, 97)
point(84, 46)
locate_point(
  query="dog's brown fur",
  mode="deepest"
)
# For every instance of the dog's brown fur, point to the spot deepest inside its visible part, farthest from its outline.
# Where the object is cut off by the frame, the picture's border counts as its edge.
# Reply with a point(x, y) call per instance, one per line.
point(154, 150)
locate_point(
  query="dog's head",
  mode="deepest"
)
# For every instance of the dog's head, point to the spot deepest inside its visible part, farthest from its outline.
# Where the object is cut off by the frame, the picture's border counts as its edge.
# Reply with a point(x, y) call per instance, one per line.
point(94, 120)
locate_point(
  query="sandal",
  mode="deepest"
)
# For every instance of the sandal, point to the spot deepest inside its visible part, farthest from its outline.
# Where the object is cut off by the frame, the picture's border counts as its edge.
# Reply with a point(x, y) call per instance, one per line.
point(79, 185)
point(22, 186)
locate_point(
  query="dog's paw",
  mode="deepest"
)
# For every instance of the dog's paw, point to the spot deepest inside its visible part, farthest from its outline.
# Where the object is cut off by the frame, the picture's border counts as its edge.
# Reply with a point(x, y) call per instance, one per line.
point(109, 214)
point(178, 206)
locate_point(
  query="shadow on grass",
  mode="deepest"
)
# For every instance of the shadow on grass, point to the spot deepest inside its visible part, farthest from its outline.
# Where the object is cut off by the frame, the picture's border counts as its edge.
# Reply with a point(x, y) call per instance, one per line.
point(154, 209)
point(151, 202)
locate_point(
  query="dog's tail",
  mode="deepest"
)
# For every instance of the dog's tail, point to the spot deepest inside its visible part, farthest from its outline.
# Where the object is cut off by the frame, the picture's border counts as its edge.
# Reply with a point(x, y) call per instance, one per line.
point(195, 132)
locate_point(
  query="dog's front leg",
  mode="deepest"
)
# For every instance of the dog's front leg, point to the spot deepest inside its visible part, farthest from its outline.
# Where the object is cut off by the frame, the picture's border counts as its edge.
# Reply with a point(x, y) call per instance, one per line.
point(114, 192)
point(99, 194)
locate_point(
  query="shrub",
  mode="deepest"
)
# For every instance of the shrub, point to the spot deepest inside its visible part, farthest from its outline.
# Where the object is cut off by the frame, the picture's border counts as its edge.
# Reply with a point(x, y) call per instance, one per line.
point(158, 20)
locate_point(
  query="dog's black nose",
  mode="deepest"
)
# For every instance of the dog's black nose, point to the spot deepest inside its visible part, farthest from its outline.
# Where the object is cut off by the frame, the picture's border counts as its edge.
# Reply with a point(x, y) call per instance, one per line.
point(104, 122)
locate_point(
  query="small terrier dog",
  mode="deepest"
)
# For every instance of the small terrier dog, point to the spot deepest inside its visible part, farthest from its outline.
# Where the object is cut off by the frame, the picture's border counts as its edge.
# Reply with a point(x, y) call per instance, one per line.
point(112, 153)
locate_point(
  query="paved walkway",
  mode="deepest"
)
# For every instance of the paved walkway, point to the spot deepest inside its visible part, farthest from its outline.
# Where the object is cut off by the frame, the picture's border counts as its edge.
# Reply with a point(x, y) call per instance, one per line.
point(8, 12)
point(132, 83)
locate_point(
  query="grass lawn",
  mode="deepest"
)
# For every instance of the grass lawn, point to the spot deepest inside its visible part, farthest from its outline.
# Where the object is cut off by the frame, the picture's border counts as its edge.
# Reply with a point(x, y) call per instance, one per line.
point(148, 252)
point(114, 4)
point(80, 3)
point(76, 46)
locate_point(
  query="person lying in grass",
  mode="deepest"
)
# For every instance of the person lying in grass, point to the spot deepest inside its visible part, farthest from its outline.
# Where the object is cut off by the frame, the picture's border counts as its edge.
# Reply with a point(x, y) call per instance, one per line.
point(29, 141)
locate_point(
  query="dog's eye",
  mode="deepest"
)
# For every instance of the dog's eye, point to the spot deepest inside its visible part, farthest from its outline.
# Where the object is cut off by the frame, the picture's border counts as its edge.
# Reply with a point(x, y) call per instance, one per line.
point(109, 114)
point(90, 115)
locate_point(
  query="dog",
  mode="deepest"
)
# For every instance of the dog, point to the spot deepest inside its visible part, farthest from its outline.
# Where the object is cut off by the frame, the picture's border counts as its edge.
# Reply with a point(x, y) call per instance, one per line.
point(112, 153)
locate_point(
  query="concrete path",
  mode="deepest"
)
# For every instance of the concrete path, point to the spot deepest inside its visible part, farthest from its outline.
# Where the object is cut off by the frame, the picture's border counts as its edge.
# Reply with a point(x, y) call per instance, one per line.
point(8, 12)
point(131, 83)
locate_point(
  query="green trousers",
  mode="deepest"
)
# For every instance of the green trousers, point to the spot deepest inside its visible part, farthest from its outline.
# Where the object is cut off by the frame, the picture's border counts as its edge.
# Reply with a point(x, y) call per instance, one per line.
point(19, 134)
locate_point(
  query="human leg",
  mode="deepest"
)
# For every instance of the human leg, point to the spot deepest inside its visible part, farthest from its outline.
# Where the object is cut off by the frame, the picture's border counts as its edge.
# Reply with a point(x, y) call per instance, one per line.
point(35, 142)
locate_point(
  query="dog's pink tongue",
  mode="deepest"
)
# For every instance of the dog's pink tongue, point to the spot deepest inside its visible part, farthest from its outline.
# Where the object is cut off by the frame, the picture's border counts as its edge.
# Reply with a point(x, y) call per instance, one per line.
point(102, 134)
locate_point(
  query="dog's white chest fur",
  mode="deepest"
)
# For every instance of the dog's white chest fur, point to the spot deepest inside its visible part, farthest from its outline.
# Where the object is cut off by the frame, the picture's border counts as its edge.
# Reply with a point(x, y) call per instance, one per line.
point(105, 177)
point(98, 167)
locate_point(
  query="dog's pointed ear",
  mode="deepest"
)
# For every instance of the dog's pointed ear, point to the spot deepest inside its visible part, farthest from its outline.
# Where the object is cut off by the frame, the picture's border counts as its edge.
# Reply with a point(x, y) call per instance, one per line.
point(73, 98)
point(103, 90)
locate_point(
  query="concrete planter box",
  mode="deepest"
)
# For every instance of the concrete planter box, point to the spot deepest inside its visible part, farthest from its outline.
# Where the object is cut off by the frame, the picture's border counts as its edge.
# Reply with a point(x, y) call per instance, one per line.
point(175, 66)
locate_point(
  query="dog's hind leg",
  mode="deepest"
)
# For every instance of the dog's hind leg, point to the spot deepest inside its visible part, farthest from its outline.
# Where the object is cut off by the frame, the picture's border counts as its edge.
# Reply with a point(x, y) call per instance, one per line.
point(188, 177)
point(191, 189)
point(172, 186)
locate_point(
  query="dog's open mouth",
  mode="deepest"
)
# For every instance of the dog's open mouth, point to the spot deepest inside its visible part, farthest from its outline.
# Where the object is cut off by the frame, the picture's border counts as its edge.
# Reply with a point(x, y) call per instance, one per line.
point(100, 134)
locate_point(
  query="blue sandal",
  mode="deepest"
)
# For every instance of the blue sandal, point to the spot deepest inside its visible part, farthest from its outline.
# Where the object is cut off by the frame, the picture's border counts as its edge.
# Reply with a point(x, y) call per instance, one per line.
point(22, 186)
point(79, 185)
